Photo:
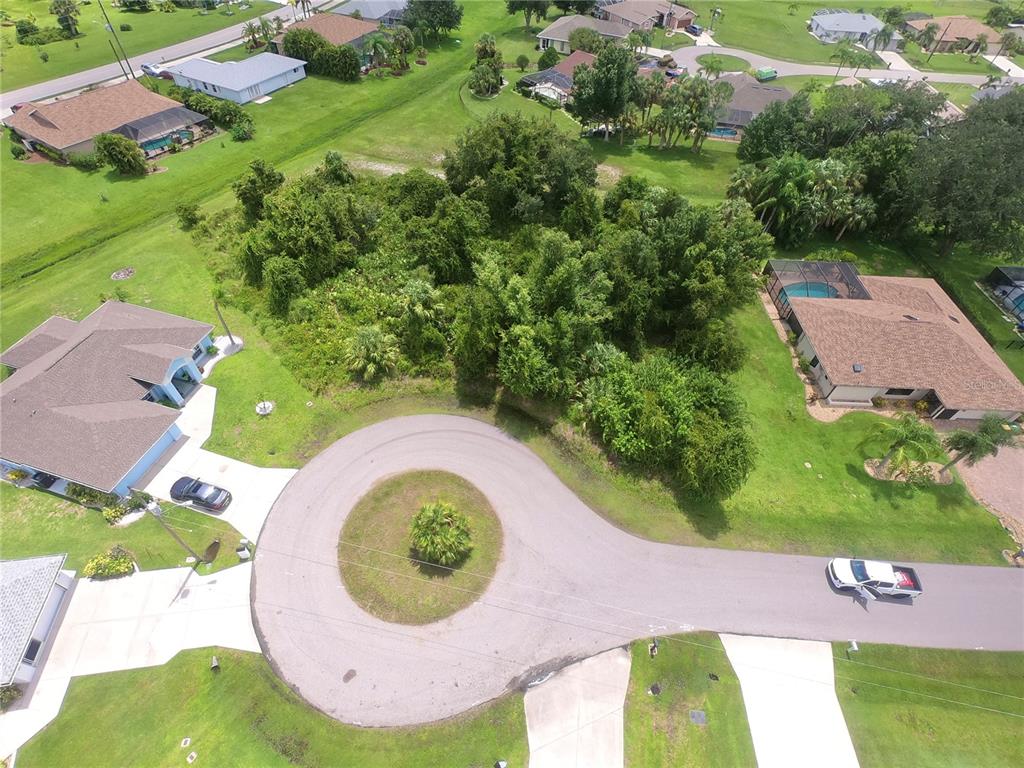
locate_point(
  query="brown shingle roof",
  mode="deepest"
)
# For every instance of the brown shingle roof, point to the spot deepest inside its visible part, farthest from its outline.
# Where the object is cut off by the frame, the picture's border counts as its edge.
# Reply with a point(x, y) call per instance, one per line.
point(910, 334)
point(75, 410)
point(70, 121)
point(640, 11)
point(953, 28)
point(568, 65)
point(334, 28)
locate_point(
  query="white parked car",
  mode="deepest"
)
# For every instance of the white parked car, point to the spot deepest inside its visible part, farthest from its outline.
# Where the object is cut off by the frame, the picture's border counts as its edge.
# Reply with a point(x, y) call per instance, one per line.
point(874, 578)
point(155, 70)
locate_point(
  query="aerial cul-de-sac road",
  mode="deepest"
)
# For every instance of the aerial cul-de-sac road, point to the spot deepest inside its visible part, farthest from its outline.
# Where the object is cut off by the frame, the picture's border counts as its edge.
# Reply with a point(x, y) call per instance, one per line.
point(569, 585)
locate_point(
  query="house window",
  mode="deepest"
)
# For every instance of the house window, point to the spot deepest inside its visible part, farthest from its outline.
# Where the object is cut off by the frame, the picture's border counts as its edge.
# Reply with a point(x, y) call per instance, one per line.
point(814, 362)
point(32, 651)
point(896, 392)
point(197, 351)
point(149, 397)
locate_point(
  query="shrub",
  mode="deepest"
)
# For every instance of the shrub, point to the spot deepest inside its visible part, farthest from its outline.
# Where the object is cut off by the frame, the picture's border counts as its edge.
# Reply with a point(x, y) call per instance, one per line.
point(371, 353)
point(137, 500)
point(284, 281)
point(126, 27)
point(8, 695)
point(547, 59)
point(111, 564)
point(522, 61)
point(17, 475)
point(24, 28)
point(121, 153)
point(902, 404)
point(44, 36)
point(212, 350)
point(18, 151)
point(90, 497)
point(791, 338)
point(242, 131)
point(878, 401)
point(44, 56)
point(805, 364)
point(484, 80)
point(85, 161)
point(338, 61)
point(921, 406)
point(189, 215)
point(114, 514)
point(440, 534)
point(303, 44)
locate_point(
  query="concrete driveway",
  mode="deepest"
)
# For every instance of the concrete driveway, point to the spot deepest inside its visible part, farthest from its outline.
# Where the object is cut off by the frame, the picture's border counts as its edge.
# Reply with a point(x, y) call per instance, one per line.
point(575, 718)
point(139, 621)
point(569, 585)
point(790, 697)
point(253, 489)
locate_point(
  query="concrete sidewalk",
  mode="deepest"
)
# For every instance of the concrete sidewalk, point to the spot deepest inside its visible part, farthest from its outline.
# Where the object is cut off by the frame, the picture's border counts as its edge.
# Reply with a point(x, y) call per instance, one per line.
point(792, 710)
point(575, 718)
point(141, 620)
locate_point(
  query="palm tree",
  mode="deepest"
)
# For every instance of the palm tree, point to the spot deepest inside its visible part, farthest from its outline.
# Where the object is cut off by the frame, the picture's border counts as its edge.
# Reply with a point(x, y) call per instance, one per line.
point(862, 59)
point(975, 446)
point(252, 32)
point(910, 440)
point(716, 15)
point(1009, 43)
point(928, 38)
point(485, 47)
point(845, 53)
point(379, 48)
point(856, 215)
point(404, 42)
point(371, 353)
point(882, 37)
point(712, 65)
point(218, 296)
point(266, 31)
point(980, 45)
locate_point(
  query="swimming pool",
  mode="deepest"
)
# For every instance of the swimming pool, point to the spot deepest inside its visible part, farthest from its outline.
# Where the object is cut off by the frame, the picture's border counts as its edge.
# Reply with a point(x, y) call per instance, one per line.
point(165, 141)
point(809, 290)
point(723, 133)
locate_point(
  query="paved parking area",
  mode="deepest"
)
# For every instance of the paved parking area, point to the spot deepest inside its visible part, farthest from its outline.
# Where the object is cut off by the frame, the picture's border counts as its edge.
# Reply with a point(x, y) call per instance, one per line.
point(575, 718)
point(789, 692)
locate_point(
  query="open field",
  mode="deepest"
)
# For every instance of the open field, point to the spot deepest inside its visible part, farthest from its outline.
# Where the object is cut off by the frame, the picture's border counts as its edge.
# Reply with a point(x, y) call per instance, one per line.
point(776, 28)
point(913, 706)
point(245, 715)
point(38, 523)
point(22, 66)
point(401, 589)
point(658, 730)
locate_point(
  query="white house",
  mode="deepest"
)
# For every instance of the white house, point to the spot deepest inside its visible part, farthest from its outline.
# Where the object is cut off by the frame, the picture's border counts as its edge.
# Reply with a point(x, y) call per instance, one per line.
point(239, 81)
point(33, 593)
point(831, 27)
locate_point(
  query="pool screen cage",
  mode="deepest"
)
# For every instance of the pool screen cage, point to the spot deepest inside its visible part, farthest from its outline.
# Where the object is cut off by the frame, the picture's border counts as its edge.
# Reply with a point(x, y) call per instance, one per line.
point(161, 124)
point(817, 279)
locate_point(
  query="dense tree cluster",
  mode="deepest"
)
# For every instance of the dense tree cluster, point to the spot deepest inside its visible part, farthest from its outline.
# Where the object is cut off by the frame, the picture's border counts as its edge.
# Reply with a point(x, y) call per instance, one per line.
point(882, 158)
point(322, 58)
point(486, 78)
point(512, 270)
point(439, 17)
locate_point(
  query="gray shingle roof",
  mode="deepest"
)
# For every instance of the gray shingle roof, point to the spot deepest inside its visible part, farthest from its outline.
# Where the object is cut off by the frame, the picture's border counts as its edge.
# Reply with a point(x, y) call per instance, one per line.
point(24, 587)
point(75, 410)
point(860, 23)
point(563, 27)
point(237, 75)
point(372, 10)
point(749, 99)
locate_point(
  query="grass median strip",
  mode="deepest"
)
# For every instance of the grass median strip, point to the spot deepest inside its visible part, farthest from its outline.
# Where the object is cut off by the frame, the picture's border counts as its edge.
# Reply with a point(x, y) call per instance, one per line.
point(382, 573)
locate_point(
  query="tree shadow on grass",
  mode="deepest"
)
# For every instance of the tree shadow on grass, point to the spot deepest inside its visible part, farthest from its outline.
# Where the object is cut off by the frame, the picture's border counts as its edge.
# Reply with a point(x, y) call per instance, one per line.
point(432, 571)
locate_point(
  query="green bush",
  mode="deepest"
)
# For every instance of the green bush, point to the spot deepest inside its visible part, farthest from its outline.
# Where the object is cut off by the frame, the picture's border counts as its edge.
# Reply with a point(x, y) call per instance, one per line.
point(121, 153)
point(114, 514)
point(242, 131)
point(24, 28)
point(126, 27)
point(284, 281)
point(440, 534)
point(8, 695)
point(18, 151)
point(17, 475)
point(44, 36)
point(85, 161)
point(137, 500)
point(189, 215)
point(548, 59)
point(111, 564)
point(212, 350)
point(90, 497)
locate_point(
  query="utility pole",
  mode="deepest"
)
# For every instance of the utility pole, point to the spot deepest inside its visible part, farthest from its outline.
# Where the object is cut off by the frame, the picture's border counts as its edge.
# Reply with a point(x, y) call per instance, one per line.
point(110, 27)
point(117, 59)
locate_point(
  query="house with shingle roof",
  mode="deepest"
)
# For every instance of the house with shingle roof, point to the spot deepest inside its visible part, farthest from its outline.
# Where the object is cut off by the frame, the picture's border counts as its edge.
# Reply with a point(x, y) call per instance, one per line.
point(556, 34)
point(894, 338)
point(33, 592)
point(332, 27)
point(556, 82)
point(386, 12)
point(95, 402)
point(239, 81)
point(832, 26)
point(69, 125)
point(953, 30)
point(647, 14)
point(749, 99)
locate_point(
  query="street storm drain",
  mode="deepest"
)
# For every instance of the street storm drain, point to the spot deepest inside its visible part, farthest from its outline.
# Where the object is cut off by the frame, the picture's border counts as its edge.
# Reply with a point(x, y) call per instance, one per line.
point(698, 717)
point(348, 676)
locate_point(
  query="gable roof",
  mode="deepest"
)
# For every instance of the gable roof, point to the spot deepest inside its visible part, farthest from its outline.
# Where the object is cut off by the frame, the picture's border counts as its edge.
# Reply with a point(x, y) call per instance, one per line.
point(909, 334)
point(24, 588)
point(67, 122)
point(334, 28)
point(641, 11)
point(372, 9)
point(953, 28)
point(561, 28)
point(749, 99)
point(843, 21)
point(74, 409)
point(237, 75)
point(561, 75)
point(993, 92)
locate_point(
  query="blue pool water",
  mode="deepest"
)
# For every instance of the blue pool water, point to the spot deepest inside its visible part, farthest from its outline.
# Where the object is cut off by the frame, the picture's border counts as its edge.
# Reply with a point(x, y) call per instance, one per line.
point(810, 290)
point(723, 133)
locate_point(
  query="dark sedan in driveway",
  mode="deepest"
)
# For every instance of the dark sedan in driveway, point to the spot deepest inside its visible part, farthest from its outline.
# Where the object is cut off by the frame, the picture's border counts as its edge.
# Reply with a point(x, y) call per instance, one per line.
point(201, 494)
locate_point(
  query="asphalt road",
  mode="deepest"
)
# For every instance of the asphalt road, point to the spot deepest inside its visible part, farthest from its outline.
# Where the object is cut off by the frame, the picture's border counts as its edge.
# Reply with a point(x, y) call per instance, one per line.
point(569, 585)
point(688, 57)
point(85, 78)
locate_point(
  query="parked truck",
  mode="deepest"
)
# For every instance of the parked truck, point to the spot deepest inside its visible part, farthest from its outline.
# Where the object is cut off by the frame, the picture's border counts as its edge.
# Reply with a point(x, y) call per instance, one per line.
point(874, 578)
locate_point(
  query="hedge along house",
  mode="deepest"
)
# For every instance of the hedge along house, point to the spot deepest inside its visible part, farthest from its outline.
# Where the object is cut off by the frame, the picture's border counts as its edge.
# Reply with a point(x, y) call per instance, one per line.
point(95, 402)
point(895, 338)
point(70, 126)
point(239, 81)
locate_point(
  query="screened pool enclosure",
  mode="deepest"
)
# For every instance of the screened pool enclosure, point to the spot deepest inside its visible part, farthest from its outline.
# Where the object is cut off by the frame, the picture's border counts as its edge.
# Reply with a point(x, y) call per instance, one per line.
point(812, 279)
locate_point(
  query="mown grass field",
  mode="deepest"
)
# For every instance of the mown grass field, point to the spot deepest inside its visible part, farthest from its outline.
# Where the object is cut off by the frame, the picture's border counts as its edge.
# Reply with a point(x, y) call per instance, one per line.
point(245, 715)
point(21, 64)
point(956, 63)
point(940, 708)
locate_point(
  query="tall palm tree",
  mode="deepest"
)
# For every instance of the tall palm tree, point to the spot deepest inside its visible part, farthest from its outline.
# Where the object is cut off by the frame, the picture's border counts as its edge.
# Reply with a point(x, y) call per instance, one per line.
point(980, 45)
point(1009, 43)
point(307, 8)
point(716, 15)
point(218, 296)
point(844, 53)
point(882, 37)
point(856, 215)
point(251, 31)
point(712, 67)
point(485, 47)
point(928, 38)
point(975, 446)
point(909, 440)
point(266, 30)
point(404, 42)
point(862, 59)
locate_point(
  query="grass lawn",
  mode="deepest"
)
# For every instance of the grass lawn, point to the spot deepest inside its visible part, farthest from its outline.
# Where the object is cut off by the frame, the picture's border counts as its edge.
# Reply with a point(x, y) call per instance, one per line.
point(891, 726)
point(794, 83)
point(244, 715)
point(659, 39)
point(956, 63)
point(38, 523)
point(238, 53)
point(397, 588)
point(769, 27)
point(658, 730)
point(728, 63)
point(958, 93)
point(22, 65)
